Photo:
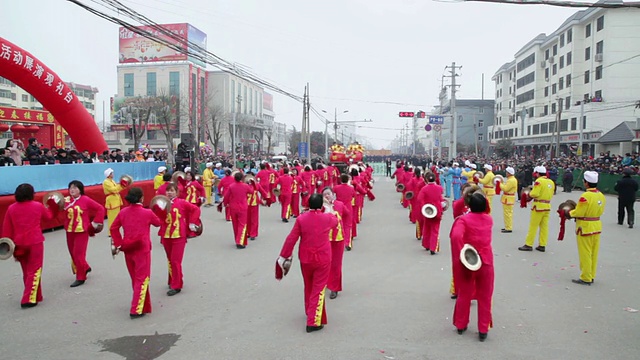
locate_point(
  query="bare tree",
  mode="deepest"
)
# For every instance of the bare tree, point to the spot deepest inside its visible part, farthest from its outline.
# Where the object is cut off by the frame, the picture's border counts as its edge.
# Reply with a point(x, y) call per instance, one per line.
point(214, 125)
point(139, 110)
point(269, 133)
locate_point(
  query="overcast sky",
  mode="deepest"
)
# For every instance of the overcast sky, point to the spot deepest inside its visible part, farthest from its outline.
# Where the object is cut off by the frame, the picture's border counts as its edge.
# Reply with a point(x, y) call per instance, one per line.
point(352, 52)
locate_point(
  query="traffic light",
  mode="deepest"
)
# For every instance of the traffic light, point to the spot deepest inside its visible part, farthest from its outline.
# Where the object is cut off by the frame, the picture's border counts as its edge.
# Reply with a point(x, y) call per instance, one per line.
point(407, 114)
point(421, 114)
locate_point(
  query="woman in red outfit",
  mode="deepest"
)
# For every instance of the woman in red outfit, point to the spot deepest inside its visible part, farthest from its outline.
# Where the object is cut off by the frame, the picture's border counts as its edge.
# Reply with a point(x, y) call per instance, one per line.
point(473, 229)
point(459, 208)
point(336, 237)
point(194, 191)
point(135, 221)
point(83, 216)
point(257, 197)
point(22, 225)
point(183, 217)
point(298, 188)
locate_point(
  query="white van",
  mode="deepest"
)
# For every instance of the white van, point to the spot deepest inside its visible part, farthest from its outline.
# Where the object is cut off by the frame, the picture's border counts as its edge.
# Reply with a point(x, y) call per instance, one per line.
point(279, 158)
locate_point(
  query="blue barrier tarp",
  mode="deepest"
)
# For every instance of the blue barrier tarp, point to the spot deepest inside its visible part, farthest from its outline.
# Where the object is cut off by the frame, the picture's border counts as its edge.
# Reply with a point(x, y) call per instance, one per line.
point(56, 177)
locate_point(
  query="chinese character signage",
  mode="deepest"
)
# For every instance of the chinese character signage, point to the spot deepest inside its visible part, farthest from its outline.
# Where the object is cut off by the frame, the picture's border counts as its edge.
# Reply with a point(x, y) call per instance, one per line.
point(25, 115)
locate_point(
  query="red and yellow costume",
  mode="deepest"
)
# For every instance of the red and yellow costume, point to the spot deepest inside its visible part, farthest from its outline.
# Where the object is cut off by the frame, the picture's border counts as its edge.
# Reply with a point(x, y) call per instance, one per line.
point(22, 225)
point(487, 186)
point(194, 193)
point(336, 237)
point(431, 194)
point(508, 199)
point(208, 177)
point(223, 188)
point(415, 212)
point(309, 179)
point(78, 215)
point(473, 229)
point(297, 189)
point(136, 245)
point(173, 236)
point(257, 196)
point(346, 194)
point(458, 208)
point(236, 199)
point(541, 193)
point(314, 252)
point(286, 188)
point(588, 229)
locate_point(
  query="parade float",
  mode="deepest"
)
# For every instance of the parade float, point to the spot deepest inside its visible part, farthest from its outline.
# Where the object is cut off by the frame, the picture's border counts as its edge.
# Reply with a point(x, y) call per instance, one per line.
point(342, 158)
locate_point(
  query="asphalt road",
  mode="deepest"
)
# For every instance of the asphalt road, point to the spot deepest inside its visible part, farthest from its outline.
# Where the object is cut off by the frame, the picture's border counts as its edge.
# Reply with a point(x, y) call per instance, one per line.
point(395, 303)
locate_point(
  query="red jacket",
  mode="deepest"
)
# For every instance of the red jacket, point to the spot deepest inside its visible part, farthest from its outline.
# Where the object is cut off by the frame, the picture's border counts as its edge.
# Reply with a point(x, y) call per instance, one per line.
point(22, 222)
point(473, 229)
point(254, 198)
point(309, 178)
point(194, 191)
point(340, 210)
point(286, 184)
point(431, 194)
point(224, 184)
point(162, 190)
point(237, 196)
point(346, 194)
point(176, 224)
point(263, 177)
point(459, 208)
point(298, 185)
point(312, 228)
point(135, 221)
point(79, 212)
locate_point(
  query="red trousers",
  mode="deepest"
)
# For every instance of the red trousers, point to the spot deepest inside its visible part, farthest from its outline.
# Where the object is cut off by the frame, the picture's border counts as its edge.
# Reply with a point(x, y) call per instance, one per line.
point(405, 202)
point(335, 272)
point(174, 248)
point(305, 200)
point(77, 245)
point(430, 234)
point(295, 204)
point(273, 196)
point(359, 205)
point(31, 258)
point(285, 202)
point(469, 283)
point(239, 223)
point(315, 278)
point(139, 266)
point(227, 213)
point(419, 225)
point(354, 222)
point(253, 221)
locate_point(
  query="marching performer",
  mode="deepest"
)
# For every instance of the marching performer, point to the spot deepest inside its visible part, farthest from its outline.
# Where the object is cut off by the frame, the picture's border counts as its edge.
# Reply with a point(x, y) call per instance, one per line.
point(113, 200)
point(84, 217)
point(21, 224)
point(508, 198)
point(431, 194)
point(223, 187)
point(220, 174)
point(415, 214)
point(184, 216)
point(487, 184)
point(162, 190)
point(321, 177)
point(473, 229)
point(398, 174)
point(447, 178)
point(346, 194)
point(235, 198)
point(407, 176)
point(258, 196)
point(456, 183)
point(135, 221)
point(195, 193)
point(459, 208)
point(588, 227)
point(308, 176)
point(469, 172)
point(273, 175)
point(336, 237)
point(285, 182)
point(159, 179)
point(262, 177)
point(314, 252)
point(208, 177)
point(541, 194)
point(298, 188)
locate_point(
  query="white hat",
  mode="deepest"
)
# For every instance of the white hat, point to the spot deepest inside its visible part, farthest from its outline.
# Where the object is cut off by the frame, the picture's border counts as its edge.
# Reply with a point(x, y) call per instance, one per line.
point(467, 162)
point(473, 166)
point(218, 164)
point(108, 172)
point(456, 164)
point(187, 169)
point(511, 170)
point(209, 164)
point(162, 168)
point(591, 177)
point(488, 167)
point(540, 169)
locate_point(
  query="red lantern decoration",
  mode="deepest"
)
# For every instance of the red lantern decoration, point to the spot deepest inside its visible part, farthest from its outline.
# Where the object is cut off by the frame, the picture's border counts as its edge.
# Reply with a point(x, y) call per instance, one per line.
point(17, 128)
point(4, 128)
point(32, 128)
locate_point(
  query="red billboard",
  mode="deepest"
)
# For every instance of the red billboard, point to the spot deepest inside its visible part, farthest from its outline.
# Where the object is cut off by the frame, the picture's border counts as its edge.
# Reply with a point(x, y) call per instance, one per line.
point(267, 101)
point(134, 48)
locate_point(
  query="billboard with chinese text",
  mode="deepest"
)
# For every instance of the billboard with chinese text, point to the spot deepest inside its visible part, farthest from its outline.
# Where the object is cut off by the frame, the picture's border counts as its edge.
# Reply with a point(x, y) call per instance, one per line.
point(135, 48)
point(267, 101)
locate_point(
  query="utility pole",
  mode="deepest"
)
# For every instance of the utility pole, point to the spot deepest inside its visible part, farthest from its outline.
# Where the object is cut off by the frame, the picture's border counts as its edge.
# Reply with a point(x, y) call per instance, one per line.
point(454, 126)
point(475, 129)
point(580, 126)
point(415, 134)
point(234, 143)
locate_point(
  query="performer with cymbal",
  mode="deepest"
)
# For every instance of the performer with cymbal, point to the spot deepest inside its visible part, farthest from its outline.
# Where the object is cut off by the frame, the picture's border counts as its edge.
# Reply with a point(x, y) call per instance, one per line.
point(541, 194)
point(431, 194)
point(508, 199)
point(235, 199)
point(113, 200)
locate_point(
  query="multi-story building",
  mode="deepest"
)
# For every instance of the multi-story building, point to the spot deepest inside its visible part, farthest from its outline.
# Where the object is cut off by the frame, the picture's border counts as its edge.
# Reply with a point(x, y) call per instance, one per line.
point(280, 137)
point(587, 67)
point(474, 116)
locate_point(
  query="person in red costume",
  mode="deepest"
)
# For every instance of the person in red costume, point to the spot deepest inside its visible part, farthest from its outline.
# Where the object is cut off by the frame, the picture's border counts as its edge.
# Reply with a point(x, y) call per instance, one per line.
point(162, 190)
point(359, 199)
point(346, 194)
point(83, 216)
point(183, 217)
point(415, 214)
point(258, 196)
point(135, 222)
point(298, 188)
point(473, 229)
point(407, 177)
point(459, 208)
point(312, 229)
point(22, 225)
point(286, 189)
point(309, 179)
point(194, 191)
point(431, 194)
point(236, 200)
point(320, 177)
point(273, 175)
point(222, 187)
point(336, 237)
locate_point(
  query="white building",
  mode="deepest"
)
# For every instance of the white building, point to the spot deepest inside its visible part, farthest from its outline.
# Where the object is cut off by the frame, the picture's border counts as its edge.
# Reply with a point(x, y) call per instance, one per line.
point(591, 59)
point(280, 137)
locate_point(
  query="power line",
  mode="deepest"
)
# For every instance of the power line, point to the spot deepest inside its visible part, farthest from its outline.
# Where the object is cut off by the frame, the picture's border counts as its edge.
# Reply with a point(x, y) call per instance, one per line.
point(571, 4)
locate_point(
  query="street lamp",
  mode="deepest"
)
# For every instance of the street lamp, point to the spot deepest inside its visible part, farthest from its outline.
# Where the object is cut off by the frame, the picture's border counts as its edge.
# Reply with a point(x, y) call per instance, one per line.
point(335, 128)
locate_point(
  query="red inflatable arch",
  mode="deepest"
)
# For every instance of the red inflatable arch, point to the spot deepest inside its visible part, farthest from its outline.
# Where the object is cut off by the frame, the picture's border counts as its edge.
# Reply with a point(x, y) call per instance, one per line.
point(29, 73)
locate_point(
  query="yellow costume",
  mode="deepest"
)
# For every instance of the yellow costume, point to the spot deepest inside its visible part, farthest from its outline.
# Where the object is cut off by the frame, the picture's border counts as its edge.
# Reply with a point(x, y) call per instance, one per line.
point(207, 181)
point(588, 228)
point(157, 181)
point(541, 193)
point(469, 174)
point(488, 187)
point(112, 201)
point(508, 198)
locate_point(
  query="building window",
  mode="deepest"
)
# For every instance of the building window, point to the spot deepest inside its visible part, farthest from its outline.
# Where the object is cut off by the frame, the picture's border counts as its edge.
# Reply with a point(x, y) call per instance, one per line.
point(600, 23)
point(568, 80)
point(567, 102)
point(586, 77)
point(587, 53)
point(245, 100)
point(250, 101)
point(128, 84)
point(564, 123)
point(599, 72)
point(598, 95)
point(561, 83)
point(529, 130)
point(525, 80)
point(554, 89)
point(240, 96)
point(151, 84)
point(545, 110)
point(555, 50)
point(480, 123)
point(587, 31)
point(480, 137)
point(546, 91)
point(561, 62)
point(524, 97)
point(584, 122)
point(552, 127)
point(33, 99)
point(481, 110)
point(536, 129)
point(528, 61)
point(553, 108)
point(546, 54)
point(530, 112)
point(174, 83)
point(509, 104)
point(25, 98)
point(569, 36)
point(569, 58)
point(516, 133)
point(555, 69)
point(510, 132)
point(5, 94)
point(599, 47)
point(233, 96)
point(561, 40)
point(574, 123)
point(546, 74)
point(544, 128)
